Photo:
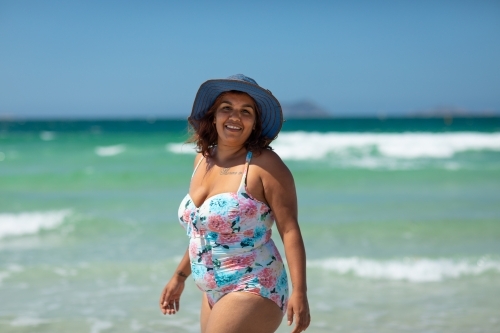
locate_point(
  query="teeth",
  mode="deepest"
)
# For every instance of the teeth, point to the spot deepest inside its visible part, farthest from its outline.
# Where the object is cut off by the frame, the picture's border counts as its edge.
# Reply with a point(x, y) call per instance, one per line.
point(232, 127)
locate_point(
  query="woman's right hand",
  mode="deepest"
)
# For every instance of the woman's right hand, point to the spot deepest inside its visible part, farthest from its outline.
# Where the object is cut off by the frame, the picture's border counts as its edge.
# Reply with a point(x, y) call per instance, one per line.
point(171, 294)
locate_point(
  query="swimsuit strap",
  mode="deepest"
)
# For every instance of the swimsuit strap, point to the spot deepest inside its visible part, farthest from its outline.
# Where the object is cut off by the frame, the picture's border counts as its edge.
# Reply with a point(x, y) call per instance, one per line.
point(244, 177)
point(197, 165)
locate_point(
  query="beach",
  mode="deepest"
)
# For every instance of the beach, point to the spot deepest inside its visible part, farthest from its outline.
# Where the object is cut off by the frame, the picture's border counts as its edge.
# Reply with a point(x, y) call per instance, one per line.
point(400, 218)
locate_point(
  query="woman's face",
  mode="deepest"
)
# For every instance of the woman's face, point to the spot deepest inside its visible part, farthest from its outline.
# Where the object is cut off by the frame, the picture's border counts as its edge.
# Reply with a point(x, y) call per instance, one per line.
point(235, 119)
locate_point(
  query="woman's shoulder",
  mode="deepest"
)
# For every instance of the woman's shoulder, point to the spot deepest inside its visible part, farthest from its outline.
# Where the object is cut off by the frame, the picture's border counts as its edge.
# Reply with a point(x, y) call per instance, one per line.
point(266, 155)
point(268, 160)
point(197, 159)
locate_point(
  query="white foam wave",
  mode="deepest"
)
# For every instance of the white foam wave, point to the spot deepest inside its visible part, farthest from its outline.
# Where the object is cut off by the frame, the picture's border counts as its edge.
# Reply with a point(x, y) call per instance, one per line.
point(47, 135)
point(180, 148)
point(109, 150)
point(28, 223)
point(28, 321)
point(408, 269)
point(375, 150)
point(307, 145)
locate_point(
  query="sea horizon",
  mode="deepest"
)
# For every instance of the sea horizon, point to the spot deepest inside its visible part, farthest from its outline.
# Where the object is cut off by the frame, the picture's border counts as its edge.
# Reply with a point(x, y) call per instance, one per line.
point(343, 124)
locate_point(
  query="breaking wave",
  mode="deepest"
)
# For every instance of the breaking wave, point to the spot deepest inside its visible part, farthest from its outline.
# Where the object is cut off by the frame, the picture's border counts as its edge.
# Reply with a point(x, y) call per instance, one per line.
point(407, 269)
point(28, 223)
point(304, 145)
point(109, 150)
point(376, 150)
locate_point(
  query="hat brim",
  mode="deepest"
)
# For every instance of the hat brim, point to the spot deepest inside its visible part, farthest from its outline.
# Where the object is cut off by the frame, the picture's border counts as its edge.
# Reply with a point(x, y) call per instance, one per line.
point(271, 112)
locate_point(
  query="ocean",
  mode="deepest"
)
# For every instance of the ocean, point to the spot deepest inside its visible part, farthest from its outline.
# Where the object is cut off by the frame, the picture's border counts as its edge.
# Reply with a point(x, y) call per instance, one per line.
point(400, 218)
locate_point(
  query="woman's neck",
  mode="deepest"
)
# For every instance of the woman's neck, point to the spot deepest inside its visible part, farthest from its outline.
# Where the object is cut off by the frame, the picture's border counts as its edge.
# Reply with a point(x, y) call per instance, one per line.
point(223, 154)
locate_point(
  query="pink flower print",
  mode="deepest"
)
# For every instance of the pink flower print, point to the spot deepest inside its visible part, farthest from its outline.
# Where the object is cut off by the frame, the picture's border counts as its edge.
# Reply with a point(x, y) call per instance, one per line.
point(206, 259)
point(245, 222)
point(186, 217)
point(195, 233)
point(228, 288)
point(229, 238)
point(248, 208)
point(218, 224)
point(250, 259)
point(267, 278)
point(248, 233)
point(263, 209)
point(233, 214)
point(253, 291)
point(239, 262)
point(193, 250)
point(276, 298)
point(267, 236)
point(210, 281)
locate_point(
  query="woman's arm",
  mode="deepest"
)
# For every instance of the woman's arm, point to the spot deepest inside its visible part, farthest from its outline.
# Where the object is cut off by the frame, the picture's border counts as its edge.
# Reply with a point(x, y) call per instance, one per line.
point(171, 293)
point(280, 193)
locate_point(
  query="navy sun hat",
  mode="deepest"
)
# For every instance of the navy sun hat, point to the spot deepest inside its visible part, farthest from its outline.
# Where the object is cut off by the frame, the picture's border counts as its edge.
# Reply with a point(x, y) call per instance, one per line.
point(271, 113)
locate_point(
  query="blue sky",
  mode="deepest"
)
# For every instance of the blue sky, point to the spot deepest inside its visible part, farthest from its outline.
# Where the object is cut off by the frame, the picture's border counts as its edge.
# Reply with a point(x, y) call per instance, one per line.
point(77, 59)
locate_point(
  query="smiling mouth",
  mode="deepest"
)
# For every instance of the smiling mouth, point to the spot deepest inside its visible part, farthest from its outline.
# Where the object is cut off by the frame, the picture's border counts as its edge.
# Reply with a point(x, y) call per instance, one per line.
point(233, 127)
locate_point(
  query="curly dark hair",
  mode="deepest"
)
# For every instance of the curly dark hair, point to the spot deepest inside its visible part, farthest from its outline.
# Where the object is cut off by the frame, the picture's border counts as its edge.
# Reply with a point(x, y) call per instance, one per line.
point(204, 134)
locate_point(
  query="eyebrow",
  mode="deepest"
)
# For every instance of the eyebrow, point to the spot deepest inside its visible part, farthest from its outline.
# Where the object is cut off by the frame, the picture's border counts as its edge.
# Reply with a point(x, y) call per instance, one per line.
point(244, 105)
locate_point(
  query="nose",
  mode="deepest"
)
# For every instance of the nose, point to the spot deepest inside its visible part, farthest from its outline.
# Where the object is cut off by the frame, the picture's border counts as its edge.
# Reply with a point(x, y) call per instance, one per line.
point(235, 113)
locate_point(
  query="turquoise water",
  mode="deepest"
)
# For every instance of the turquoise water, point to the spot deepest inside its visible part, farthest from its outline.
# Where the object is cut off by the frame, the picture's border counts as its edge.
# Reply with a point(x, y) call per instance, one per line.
point(401, 221)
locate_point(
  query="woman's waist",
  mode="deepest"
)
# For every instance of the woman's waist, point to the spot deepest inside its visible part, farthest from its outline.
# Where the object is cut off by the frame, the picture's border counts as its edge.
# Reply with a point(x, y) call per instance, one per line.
point(231, 242)
point(246, 259)
point(202, 251)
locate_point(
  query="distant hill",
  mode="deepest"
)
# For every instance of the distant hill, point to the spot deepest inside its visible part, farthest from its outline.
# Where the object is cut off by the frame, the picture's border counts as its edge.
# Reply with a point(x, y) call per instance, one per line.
point(304, 109)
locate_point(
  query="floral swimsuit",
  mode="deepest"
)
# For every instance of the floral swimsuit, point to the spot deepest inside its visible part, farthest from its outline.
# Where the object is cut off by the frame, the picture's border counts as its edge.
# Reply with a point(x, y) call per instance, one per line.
point(230, 245)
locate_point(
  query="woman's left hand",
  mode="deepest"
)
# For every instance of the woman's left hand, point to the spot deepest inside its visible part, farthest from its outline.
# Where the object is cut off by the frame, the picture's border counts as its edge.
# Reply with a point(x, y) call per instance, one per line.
point(171, 295)
point(298, 308)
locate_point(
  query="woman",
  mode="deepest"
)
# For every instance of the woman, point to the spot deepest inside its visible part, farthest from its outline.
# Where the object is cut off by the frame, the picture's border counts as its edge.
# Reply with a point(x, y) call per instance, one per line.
point(238, 188)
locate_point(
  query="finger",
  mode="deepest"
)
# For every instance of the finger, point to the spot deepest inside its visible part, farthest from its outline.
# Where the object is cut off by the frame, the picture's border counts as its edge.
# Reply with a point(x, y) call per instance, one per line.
point(300, 322)
point(304, 320)
point(164, 294)
point(304, 323)
point(162, 297)
point(177, 304)
point(298, 325)
point(171, 308)
point(166, 301)
point(289, 314)
point(162, 303)
point(165, 308)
